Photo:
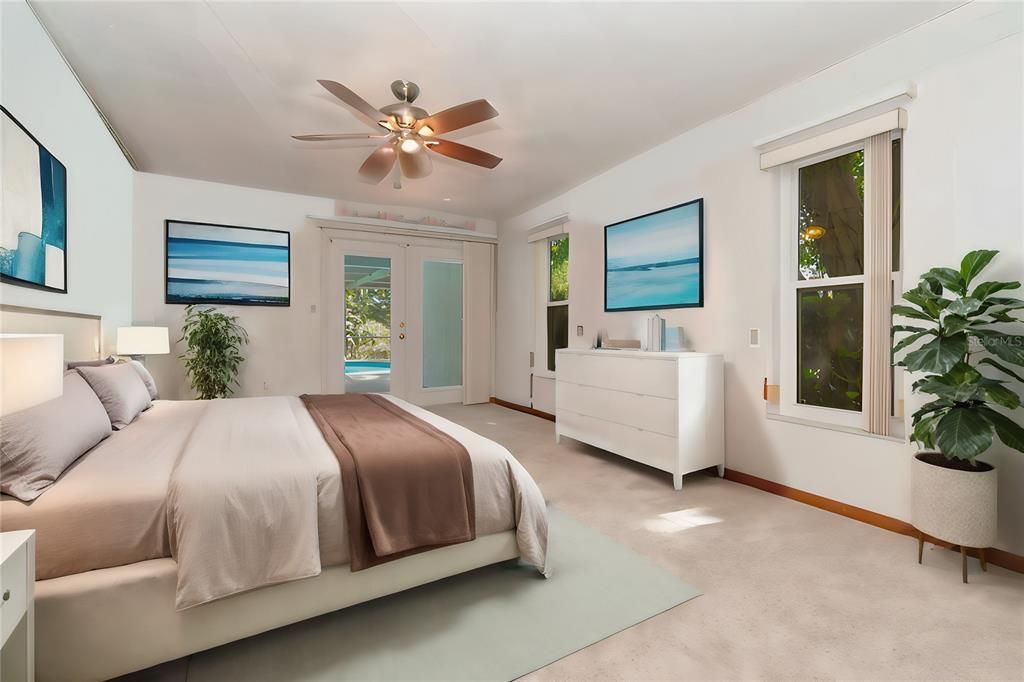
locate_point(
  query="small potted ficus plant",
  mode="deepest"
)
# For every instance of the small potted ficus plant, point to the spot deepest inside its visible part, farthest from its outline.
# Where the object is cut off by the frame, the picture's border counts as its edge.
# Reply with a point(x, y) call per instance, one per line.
point(961, 329)
point(214, 340)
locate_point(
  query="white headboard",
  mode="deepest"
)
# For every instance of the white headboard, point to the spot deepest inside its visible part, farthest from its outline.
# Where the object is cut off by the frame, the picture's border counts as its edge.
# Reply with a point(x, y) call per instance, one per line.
point(83, 334)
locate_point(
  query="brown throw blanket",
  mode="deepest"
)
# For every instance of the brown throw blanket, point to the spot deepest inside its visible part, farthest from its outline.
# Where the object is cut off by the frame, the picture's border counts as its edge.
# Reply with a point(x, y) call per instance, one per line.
point(408, 487)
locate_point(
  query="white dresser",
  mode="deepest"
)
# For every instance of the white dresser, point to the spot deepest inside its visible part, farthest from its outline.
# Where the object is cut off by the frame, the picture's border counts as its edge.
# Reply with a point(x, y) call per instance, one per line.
point(662, 409)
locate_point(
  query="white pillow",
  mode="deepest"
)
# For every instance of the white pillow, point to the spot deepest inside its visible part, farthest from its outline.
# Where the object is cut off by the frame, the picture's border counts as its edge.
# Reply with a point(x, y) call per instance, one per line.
point(39, 443)
point(146, 377)
point(120, 389)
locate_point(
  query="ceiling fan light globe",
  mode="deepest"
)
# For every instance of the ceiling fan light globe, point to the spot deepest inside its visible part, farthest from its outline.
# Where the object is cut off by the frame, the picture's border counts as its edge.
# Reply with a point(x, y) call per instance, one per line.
point(410, 145)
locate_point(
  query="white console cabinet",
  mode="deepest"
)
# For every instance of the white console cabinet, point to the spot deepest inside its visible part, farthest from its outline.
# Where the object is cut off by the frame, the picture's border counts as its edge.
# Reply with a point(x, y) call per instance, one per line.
point(661, 409)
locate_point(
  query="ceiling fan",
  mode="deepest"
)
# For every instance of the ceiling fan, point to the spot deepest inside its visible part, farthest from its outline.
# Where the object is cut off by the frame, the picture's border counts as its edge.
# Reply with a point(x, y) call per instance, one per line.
point(410, 132)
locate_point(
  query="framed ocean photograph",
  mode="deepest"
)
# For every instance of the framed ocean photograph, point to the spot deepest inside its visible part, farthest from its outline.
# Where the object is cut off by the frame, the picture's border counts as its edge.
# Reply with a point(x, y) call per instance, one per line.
point(227, 265)
point(33, 211)
point(656, 260)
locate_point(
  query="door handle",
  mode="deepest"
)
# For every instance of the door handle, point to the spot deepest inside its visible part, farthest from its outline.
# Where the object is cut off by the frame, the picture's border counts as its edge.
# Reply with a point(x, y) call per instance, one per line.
point(401, 336)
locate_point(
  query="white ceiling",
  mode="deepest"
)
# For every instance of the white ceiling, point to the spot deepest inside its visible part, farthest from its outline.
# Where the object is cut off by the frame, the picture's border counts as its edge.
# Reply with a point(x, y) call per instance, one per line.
point(214, 90)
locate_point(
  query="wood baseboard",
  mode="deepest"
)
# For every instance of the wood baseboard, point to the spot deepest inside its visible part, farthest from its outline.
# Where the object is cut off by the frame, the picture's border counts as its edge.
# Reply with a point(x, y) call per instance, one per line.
point(999, 557)
point(523, 408)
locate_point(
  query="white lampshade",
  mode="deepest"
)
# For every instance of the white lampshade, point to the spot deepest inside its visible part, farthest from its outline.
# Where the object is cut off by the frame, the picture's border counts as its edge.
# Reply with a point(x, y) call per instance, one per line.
point(31, 370)
point(142, 341)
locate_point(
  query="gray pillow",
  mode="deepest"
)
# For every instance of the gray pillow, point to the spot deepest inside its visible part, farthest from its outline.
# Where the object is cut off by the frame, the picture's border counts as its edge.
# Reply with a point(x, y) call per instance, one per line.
point(38, 444)
point(120, 389)
point(109, 360)
point(146, 377)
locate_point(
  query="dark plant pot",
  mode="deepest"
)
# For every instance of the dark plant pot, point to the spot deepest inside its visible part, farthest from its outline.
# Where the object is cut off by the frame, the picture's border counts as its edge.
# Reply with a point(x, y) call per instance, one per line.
point(952, 502)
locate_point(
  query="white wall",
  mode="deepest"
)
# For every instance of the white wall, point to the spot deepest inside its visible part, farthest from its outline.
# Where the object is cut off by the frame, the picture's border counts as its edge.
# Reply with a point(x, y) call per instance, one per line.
point(38, 88)
point(283, 356)
point(962, 174)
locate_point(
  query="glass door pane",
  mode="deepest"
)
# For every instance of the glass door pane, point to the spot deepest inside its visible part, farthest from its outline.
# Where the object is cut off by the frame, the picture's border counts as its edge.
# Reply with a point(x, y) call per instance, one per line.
point(368, 304)
point(442, 324)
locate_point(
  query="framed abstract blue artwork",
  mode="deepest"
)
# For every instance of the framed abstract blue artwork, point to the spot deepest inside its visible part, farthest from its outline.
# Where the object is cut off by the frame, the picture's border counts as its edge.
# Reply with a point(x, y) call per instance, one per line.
point(223, 264)
point(33, 211)
point(656, 260)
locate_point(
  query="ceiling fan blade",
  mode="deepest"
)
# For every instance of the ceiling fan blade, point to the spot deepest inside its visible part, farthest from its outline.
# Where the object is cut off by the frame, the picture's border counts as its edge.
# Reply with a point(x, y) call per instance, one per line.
point(459, 116)
point(340, 136)
point(378, 164)
point(415, 164)
point(463, 152)
point(355, 101)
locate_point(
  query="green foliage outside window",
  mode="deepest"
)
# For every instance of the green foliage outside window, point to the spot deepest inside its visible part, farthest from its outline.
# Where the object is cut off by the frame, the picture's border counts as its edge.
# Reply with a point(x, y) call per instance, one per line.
point(559, 270)
point(368, 324)
point(831, 346)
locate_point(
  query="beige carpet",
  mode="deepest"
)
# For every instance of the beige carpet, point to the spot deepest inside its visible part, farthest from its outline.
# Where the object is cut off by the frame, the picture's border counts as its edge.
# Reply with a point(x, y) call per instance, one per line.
point(789, 591)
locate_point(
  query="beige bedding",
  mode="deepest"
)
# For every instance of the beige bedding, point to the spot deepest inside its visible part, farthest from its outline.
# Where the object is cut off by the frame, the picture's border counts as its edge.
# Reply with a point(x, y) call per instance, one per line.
point(245, 464)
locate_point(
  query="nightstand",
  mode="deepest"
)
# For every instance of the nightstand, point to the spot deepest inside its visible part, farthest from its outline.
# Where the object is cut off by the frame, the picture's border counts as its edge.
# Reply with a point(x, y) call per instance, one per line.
point(17, 580)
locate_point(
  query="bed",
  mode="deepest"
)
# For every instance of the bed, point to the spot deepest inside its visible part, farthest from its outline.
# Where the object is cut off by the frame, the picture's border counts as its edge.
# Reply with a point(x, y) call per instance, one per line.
point(115, 591)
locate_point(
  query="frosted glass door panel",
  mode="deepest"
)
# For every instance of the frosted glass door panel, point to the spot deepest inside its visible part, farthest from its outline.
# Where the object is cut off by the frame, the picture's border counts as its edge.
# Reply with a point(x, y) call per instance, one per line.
point(442, 324)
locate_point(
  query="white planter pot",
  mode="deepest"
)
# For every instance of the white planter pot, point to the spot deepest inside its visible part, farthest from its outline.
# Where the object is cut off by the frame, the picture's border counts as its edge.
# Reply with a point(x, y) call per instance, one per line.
point(952, 505)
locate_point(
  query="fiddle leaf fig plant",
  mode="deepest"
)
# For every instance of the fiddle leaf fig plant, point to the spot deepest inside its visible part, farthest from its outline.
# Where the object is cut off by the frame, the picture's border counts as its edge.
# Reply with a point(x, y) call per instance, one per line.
point(964, 327)
point(214, 341)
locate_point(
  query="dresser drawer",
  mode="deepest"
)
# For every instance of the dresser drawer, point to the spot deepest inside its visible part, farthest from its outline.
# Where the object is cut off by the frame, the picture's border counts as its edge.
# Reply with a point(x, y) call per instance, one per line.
point(647, 447)
point(649, 377)
point(14, 583)
point(647, 412)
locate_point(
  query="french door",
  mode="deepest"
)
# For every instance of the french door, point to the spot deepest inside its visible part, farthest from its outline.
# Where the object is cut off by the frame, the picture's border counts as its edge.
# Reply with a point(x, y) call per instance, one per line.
point(394, 316)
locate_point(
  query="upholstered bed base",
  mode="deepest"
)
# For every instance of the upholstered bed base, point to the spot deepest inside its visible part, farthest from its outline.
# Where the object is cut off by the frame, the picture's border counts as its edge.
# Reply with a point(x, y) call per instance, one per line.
point(108, 622)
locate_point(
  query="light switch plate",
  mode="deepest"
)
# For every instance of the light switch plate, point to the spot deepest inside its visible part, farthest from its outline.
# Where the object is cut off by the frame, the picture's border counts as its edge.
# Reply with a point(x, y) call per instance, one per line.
point(754, 337)
point(579, 330)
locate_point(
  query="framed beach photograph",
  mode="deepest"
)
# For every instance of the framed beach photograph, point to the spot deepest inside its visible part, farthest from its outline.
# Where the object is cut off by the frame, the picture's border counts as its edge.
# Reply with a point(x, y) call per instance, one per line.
point(656, 260)
point(33, 211)
point(227, 265)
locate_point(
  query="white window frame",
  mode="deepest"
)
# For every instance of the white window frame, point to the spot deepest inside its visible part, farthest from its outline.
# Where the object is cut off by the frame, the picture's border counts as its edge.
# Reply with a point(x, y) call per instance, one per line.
point(790, 284)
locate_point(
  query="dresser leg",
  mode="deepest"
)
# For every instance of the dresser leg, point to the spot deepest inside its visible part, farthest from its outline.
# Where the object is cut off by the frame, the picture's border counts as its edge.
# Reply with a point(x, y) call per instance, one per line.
point(677, 481)
point(721, 471)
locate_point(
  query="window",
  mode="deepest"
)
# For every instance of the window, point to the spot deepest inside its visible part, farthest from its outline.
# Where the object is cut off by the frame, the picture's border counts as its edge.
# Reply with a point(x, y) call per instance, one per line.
point(557, 316)
point(830, 331)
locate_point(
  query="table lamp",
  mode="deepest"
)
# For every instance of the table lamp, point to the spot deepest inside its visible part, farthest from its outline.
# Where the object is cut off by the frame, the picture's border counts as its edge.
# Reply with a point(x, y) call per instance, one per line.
point(138, 342)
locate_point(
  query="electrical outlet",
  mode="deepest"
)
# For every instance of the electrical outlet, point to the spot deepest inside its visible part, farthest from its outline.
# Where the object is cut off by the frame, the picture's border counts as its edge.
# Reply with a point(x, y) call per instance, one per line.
point(312, 308)
point(579, 330)
point(266, 387)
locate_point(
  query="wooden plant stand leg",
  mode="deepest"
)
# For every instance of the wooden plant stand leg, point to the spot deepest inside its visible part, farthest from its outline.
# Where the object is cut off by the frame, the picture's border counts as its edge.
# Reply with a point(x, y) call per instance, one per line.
point(963, 561)
point(920, 547)
point(981, 558)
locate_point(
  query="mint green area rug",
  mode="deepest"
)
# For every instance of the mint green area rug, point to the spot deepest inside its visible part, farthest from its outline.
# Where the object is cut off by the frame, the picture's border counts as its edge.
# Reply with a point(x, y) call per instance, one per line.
point(494, 623)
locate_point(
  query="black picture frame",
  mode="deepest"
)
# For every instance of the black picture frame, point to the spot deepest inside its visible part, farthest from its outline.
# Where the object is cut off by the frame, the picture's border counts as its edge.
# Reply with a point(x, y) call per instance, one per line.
point(17, 281)
point(700, 254)
point(220, 301)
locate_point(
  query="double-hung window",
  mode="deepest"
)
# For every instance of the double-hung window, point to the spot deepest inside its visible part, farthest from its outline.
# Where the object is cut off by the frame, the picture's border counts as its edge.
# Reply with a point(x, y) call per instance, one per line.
point(840, 248)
